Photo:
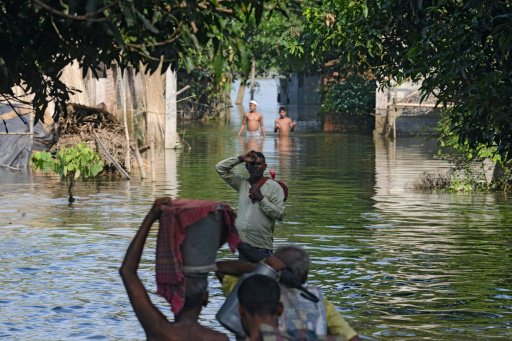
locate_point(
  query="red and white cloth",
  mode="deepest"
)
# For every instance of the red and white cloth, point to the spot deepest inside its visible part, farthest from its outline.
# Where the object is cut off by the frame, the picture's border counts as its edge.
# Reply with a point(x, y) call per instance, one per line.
point(174, 221)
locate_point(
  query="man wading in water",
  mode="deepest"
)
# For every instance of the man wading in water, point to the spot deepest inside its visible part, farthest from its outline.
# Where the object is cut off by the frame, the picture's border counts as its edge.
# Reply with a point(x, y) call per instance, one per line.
point(155, 323)
point(260, 201)
point(253, 121)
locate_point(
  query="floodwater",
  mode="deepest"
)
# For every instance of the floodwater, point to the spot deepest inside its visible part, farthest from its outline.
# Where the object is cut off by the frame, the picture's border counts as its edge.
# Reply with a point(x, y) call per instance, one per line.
point(397, 263)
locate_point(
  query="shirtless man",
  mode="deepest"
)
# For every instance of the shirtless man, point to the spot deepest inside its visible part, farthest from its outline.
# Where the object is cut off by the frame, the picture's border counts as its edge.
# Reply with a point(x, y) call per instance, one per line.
point(254, 122)
point(284, 125)
point(155, 323)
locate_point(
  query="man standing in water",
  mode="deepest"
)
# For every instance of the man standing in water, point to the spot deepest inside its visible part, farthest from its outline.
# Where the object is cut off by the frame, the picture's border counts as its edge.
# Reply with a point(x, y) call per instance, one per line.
point(260, 201)
point(155, 324)
point(284, 125)
point(253, 122)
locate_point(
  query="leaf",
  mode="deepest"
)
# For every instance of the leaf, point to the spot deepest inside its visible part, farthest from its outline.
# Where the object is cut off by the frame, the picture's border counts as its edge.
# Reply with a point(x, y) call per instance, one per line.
point(147, 23)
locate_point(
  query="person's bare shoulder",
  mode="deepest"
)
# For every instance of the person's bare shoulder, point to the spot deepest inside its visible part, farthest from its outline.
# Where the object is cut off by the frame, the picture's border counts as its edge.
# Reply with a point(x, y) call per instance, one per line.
point(187, 331)
point(208, 334)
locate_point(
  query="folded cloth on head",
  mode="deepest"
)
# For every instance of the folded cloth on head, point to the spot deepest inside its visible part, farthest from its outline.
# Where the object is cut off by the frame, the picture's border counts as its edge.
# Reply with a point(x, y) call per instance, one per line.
point(174, 221)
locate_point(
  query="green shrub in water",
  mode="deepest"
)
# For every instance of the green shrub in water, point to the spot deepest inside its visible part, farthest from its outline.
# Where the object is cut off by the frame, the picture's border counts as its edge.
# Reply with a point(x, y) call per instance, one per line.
point(70, 163)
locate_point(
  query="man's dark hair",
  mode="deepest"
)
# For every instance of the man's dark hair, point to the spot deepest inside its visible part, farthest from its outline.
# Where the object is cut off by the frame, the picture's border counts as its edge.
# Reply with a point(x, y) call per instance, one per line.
point(296, 259)
point(260, 156)
point(259, 295)
point(282, 108)
point(195, 288)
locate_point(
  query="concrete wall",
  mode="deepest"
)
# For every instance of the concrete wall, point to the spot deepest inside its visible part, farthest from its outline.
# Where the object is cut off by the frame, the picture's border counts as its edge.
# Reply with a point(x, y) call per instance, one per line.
point(300, 89)
point(409, 120)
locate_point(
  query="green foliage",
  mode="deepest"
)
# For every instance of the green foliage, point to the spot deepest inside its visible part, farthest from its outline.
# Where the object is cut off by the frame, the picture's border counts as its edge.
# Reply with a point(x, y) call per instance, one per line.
point(77, 162)
point(210, 71)
point(273, 43)
point(208, 90)
point(353, 96)
point(460, 50)
point(40, 37)
point(468, 162)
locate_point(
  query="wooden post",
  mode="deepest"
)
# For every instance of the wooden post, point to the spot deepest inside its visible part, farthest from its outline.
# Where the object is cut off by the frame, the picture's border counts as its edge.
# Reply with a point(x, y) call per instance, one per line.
point(152, 147)
point(31, 128)
point(114, 162)
point(171, 112)
point(125, 118)
point(394, 119)
point(138, 158)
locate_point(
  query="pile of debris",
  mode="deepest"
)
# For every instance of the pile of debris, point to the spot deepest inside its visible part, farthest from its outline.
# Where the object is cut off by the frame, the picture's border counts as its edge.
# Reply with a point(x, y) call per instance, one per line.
point(98, 129)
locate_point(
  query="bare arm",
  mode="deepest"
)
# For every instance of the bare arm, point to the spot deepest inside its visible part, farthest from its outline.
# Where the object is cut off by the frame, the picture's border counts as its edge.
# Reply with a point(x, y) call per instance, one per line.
point(233, 267)
point(262, 127)
point(151, 319)
point(238, 267)
point(276, 126)
point(292, 125)
point(244, 123)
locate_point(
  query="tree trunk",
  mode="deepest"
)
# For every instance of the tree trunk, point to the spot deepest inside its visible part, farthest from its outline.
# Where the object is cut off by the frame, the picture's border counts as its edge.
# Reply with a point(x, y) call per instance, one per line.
point(241, 92)
point(70, 187)
point(253, 74)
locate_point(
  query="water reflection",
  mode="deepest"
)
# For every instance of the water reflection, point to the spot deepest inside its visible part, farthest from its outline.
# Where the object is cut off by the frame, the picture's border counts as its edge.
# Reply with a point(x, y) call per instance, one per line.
point(171, 172)
point(397, 263)
point(284, 147)
point(252, 143)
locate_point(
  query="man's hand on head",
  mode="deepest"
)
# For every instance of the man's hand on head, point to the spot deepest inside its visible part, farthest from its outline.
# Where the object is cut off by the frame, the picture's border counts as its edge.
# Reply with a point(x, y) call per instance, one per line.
point(248, 158)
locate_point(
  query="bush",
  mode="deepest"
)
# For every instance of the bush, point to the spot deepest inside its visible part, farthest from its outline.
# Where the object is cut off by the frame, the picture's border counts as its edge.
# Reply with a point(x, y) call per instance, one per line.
point(353, 96)
point(71, 163)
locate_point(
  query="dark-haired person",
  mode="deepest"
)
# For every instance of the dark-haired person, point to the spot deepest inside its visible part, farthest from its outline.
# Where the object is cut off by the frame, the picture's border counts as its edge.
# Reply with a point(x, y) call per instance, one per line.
point(260, 201)
point(155, 324)
point(260, 308)
point(298, 314)
point(284, 125)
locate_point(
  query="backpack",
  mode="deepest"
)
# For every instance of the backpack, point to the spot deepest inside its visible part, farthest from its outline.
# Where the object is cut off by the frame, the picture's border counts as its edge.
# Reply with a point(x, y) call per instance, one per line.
point(282, 184)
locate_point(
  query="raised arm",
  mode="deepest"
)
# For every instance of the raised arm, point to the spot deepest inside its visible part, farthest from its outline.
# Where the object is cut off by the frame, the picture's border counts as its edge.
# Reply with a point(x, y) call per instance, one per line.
point(276, 126)
point(292, 125)
point(151, 319)
point(225, 170)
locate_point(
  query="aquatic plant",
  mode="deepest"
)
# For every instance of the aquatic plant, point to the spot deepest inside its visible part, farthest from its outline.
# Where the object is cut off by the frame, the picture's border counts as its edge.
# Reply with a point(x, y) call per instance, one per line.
point(70, 163)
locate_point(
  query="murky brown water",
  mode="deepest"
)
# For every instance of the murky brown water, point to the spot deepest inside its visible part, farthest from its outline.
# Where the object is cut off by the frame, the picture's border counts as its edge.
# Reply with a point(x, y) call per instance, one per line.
point(397, 263)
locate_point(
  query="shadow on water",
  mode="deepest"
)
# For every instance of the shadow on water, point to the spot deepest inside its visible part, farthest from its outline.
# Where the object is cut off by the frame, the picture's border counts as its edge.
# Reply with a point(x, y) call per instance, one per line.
point(398, 264)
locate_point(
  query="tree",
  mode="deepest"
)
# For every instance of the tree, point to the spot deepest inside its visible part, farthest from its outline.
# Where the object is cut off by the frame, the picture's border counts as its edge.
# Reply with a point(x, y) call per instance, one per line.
point(460, 50)
point(40, 37)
